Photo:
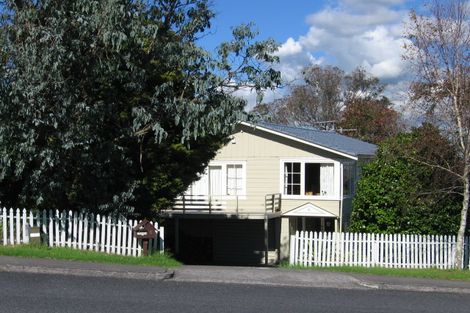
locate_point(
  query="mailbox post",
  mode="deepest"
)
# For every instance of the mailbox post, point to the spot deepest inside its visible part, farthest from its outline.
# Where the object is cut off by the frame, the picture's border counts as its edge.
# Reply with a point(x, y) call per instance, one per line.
point(34, 234)
point(145, 231)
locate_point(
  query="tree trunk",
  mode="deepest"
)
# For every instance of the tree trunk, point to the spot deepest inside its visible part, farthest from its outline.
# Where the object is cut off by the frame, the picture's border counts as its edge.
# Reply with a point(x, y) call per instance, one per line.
point(463, 219)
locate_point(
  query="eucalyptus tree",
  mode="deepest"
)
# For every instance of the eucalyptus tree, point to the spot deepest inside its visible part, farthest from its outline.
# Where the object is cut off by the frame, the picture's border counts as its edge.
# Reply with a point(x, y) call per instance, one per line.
point(113, 105)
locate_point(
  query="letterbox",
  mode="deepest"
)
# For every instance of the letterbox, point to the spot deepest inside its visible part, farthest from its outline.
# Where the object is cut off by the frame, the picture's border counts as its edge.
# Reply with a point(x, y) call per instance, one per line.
point(34, 234)
point(144, 230)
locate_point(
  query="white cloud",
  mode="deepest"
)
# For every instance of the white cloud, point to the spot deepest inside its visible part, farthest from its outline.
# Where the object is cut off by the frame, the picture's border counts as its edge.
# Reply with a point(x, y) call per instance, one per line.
point(352, 33)
point(290, 47)
point(349, 34)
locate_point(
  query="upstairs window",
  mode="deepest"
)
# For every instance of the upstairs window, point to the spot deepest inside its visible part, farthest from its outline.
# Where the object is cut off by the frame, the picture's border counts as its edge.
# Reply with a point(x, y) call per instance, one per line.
point(309, 179)
point(220, 179)
point(348, 179)
point(292, 178)
point(234, 179)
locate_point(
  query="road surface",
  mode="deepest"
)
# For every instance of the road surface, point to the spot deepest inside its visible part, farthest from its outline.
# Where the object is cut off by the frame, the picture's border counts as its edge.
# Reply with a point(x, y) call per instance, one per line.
point(26, 292)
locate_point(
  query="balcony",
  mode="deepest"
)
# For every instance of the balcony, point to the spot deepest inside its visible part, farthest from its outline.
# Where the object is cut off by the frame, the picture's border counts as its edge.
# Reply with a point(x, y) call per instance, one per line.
point(225, 206)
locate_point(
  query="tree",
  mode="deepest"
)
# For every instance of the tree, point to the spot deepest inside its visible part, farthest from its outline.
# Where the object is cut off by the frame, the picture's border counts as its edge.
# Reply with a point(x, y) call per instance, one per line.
point(112, 106)
point(353, 104)
point(437, 49)
point(318, 99)
point(367, 115)
point(399, 195)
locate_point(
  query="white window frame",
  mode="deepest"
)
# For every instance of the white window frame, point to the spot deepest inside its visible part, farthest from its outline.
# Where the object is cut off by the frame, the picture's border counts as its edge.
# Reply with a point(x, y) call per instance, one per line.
point(336, 184)
point(224, 165)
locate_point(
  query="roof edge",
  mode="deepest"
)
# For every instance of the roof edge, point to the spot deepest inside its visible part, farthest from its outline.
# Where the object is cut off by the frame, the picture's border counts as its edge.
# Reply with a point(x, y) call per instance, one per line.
point(281, 134)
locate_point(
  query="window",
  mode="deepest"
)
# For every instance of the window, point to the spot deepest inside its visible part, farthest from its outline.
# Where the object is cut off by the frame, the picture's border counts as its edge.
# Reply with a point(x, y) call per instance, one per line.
point(309, 179)
point(234, 179)
point(348, 179)
point(220, 179)
point(292, 178)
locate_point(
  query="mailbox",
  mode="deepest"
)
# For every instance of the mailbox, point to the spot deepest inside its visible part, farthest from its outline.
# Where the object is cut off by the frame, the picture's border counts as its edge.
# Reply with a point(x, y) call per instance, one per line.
point(145, 231)
point(34, 235)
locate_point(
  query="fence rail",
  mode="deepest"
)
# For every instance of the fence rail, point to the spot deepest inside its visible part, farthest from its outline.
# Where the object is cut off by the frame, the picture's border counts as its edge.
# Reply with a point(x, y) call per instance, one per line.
point(76, 230)
point(382, 250)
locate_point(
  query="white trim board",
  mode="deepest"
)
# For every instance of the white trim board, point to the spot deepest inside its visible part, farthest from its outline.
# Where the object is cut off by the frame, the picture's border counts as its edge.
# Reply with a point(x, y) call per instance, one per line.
point(309, 210)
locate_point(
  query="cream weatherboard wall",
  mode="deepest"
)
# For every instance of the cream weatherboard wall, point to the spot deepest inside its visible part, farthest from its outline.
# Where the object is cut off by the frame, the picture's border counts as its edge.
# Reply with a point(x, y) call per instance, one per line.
point(262, 154)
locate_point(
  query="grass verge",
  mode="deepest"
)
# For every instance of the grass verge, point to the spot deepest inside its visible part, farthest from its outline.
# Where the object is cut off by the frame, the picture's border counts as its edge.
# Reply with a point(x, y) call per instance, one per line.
point(30, 251)
point(398, 272)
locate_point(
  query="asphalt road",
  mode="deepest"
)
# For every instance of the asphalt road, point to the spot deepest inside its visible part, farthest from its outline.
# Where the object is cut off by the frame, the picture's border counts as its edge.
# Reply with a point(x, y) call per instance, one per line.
point(21, 292)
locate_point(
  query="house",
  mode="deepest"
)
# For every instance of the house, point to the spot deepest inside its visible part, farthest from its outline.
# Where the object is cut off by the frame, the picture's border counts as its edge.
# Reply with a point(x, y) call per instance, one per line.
point(266, 183)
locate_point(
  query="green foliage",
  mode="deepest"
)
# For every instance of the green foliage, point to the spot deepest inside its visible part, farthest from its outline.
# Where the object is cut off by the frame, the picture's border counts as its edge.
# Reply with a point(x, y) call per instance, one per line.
point(398, 193)
point(111, 106)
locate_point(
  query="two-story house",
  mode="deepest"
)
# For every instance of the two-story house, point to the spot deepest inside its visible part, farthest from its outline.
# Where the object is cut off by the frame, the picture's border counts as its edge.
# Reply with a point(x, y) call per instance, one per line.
point(267, 182)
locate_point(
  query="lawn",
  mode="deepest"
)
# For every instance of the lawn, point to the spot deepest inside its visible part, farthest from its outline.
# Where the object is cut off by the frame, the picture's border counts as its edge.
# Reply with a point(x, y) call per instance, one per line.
point(29, 251)
point(416, 273)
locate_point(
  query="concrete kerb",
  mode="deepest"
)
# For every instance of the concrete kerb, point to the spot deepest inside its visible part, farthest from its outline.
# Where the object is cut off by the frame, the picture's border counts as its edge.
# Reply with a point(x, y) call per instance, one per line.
point(314, 279)
point(233, 275)
point(87, 273)
point(59, 267)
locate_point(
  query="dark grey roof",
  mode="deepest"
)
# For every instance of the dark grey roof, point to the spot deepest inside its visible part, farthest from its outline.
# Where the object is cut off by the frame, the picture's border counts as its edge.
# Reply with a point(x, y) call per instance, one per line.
point(327, 139)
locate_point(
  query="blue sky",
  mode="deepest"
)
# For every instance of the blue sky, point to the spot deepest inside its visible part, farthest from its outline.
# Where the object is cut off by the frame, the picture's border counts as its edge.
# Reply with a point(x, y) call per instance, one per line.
point(345, 33)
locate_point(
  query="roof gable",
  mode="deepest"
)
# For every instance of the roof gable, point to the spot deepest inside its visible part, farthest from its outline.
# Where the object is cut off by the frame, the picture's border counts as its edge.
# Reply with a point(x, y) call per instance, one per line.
point(308, 210)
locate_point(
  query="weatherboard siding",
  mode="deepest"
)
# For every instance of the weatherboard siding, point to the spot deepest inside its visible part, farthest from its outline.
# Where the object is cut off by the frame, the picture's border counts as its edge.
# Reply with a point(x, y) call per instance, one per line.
point(262, 153)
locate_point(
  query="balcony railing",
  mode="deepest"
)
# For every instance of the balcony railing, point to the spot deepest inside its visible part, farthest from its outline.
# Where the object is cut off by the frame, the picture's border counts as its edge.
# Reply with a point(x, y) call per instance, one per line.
point(272, 202)
point(213, 204)
point(200, 204)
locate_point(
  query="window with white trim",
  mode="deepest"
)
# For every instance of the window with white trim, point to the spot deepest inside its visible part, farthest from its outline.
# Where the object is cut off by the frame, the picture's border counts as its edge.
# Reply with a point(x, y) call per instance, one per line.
point(221, 179)
point(234, 179)
point(308, 179)
point(292, 178)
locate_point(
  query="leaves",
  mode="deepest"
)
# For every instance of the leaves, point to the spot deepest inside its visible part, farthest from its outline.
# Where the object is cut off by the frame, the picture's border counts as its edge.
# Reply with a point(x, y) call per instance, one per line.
point(95, 96)
point(399, 194)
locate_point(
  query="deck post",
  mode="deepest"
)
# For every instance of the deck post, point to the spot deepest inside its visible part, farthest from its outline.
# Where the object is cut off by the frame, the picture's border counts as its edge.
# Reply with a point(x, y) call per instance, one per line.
point(266, 239)
point(237, 204)
point(210, 204)
point(274, 203)
point(177, 233)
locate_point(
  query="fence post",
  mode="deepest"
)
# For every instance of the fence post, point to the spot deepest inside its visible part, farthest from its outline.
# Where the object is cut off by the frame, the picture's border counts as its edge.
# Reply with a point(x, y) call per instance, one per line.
point(69, 229)
point(4, 226)
point(292, 250)
point(23, 228)
point(12, 234)
point(161, 234)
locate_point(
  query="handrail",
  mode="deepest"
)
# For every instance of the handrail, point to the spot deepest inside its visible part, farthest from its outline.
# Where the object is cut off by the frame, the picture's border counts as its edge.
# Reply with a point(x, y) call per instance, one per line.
point(272, 202)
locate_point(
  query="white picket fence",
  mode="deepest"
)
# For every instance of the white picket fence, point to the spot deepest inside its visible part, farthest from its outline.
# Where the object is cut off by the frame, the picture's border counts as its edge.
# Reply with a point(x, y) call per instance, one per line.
point(77, 231)
point(381, 250)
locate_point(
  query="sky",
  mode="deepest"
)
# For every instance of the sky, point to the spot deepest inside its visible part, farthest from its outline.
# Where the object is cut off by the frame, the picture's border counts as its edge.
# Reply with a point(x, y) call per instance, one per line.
point(343, 33)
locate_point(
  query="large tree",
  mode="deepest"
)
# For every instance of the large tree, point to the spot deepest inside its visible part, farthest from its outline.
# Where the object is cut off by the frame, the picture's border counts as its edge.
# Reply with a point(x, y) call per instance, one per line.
point(317, 99)
point(328, 98)
point(367, 113)
point(438, 51)
point(397, 194)
point(112, 106)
